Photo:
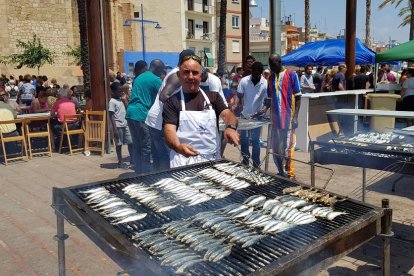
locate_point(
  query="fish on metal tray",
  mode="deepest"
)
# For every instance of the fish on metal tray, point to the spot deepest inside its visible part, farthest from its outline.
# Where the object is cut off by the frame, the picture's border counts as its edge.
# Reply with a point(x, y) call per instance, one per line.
point(255, 201)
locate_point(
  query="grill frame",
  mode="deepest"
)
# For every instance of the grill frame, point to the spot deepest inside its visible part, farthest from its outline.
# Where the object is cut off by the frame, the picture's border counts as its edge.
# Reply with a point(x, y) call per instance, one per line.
point(323, 155)
point(324, 251)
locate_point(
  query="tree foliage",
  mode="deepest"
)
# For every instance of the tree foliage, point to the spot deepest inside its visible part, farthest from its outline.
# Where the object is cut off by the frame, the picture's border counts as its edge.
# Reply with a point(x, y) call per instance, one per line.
point(32, 55)
point(76, 54)
point(406, 12)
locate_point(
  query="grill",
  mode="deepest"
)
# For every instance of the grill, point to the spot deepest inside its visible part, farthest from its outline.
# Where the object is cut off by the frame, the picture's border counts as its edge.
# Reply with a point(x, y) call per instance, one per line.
point(304, 248)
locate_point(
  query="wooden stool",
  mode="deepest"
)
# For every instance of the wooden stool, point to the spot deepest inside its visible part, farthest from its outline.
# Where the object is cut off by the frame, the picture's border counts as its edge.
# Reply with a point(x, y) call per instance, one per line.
point(38, 134)
point(17, 138)
point(67, 119)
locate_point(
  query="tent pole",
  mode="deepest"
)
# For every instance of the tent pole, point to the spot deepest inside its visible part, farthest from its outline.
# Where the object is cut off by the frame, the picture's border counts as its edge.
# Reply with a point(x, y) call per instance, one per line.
point(375, 77)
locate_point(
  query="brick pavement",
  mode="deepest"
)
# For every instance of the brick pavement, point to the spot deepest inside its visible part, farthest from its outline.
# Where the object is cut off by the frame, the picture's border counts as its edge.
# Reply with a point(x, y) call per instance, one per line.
point(28, 223)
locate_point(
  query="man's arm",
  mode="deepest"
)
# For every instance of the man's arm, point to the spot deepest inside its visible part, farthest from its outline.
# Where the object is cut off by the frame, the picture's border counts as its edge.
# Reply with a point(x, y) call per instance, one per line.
point(113, 123)
point(230, 134)
point(171, 85)
point(171, 138)
point(296, 114)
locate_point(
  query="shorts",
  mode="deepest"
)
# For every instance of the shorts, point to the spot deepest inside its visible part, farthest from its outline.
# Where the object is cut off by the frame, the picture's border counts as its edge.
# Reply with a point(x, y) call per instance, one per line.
point(124, 136)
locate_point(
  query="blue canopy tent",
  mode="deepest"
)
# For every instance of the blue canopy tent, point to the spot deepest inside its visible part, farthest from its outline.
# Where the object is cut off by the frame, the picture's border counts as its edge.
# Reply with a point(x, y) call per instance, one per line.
point(327, 53)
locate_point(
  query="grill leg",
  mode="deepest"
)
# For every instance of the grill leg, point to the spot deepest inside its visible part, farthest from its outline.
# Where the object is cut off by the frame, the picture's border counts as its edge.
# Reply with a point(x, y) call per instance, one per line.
point(312, 163)
point(269, 142)
point(386, 233)
point(60, 238)
point(364, 183)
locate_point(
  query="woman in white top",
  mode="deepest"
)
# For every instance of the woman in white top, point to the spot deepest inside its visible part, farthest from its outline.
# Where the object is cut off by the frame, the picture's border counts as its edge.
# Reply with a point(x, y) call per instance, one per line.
point(407, 92)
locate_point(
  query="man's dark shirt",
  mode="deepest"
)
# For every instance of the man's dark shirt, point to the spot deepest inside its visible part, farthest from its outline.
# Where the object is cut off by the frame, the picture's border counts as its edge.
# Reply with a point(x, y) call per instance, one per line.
point(360, 81)
point(193, 102)
point(338, 78)
point(317, 81)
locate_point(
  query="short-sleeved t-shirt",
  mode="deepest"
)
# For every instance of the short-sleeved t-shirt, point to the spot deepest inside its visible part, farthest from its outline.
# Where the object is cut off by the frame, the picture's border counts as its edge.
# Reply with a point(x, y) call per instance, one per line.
point(409, 85)
point(337, 79)
point(193, 102)
point(6, 114)
point(213, 84)
point(144, 92)
point(62, 107)
point(118, 108)
point(254, 95)
point(360, 81)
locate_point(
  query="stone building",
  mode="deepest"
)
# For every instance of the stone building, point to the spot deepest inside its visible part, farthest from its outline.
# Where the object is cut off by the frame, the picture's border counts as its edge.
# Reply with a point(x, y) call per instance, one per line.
point(55, 22)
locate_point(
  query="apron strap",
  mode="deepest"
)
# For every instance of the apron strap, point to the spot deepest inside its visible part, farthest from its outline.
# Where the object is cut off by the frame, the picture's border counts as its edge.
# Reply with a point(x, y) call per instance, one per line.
point(205, 98)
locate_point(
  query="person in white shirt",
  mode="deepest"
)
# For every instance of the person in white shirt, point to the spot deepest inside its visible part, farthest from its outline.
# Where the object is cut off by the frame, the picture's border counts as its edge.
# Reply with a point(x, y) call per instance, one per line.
point(407, 92)
point(306, 81)
point(252, 91)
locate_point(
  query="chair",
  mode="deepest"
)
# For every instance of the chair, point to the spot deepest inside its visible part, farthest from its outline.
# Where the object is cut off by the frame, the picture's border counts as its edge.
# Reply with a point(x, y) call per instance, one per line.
point(18, 138)
point(37, 132)
point(95, 130)
point(67, 119)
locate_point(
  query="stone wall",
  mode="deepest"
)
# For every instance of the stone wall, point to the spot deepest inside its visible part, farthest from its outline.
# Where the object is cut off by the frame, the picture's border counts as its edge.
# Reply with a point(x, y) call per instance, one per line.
point(55, 22)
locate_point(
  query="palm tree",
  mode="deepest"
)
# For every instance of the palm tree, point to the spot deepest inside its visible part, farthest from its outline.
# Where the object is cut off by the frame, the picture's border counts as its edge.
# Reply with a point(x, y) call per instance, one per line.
point(368, 24)
point(83, 30)
point(222, 38)
point(406, 12)
point(307, 20)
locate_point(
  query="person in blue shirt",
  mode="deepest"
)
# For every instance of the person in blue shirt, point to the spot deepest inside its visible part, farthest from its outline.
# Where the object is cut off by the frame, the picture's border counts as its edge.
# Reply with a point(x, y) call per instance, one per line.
point(144, 92)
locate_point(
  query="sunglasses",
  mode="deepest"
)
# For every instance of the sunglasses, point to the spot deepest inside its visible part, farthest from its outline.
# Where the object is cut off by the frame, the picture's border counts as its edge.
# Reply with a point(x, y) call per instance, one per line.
point(196, 58)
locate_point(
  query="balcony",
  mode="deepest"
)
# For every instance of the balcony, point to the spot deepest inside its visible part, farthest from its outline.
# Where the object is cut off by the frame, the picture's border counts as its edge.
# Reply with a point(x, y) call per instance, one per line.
point(201, 10)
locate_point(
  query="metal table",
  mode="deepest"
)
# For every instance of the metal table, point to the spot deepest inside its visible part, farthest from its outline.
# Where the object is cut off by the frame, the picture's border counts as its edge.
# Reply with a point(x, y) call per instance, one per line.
point(302, 137)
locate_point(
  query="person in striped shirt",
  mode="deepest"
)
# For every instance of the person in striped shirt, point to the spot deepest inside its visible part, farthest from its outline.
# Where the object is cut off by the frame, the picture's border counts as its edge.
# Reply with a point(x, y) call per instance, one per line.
point(284, 90)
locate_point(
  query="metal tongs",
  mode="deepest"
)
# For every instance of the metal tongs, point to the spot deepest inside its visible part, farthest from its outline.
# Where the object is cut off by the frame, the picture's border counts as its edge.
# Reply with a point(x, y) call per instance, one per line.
point(254, 177)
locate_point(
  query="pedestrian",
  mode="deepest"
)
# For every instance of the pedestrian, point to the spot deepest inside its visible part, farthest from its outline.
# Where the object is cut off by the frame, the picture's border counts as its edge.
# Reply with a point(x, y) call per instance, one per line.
point(317, 79)
point(26, 92)
point(252, 91)
point(190, 119)
point(306, 80)
point(248, 62)
point(117, 111)
point(284, 90)
point(338, 80)
point(144, 92)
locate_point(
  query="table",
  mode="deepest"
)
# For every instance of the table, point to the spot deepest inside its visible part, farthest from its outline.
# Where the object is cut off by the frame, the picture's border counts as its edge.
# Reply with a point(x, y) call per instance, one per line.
point(245, 124)
point(307, 100)
point(32, 115)
point(372, 112)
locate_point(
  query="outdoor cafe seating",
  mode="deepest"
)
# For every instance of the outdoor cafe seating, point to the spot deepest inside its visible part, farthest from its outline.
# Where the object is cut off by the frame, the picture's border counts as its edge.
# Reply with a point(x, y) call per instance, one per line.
point(13, 139)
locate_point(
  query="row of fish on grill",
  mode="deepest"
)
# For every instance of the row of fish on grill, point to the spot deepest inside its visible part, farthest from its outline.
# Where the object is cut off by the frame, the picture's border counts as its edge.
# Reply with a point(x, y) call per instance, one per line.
point(211, 235)
point(111, 206)
point(218, 182)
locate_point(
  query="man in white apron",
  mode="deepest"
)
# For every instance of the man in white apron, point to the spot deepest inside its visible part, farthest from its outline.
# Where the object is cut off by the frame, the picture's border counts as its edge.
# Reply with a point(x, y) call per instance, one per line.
point(190, 119)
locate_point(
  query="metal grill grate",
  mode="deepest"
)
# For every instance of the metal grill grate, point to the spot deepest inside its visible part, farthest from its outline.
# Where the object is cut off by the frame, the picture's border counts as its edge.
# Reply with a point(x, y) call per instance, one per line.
point(241, 261)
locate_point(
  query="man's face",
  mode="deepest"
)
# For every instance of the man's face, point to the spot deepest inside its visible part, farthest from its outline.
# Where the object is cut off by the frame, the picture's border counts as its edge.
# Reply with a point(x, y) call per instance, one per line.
point(249, 63)
point(256, 74)
point(344, 69)
point(190, 76)
point(309, 70)
point(275, 64)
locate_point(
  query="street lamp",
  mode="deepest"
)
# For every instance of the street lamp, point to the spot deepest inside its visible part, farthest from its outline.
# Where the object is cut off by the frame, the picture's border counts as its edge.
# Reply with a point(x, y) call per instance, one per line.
point(252, 4)
point(128, 22)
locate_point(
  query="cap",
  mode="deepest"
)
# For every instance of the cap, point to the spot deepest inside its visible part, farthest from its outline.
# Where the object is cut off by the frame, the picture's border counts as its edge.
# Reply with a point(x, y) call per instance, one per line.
point(185, 53)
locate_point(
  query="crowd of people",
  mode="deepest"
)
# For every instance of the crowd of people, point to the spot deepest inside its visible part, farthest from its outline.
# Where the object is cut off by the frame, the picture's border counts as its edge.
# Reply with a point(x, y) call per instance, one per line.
point(172, 119)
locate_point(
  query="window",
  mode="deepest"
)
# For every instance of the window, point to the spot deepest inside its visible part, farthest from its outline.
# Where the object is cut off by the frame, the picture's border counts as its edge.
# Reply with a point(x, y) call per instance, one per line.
point(205, 27)
point(190, 33)
point(190, 5)
point(235, 46)
point(235, 21)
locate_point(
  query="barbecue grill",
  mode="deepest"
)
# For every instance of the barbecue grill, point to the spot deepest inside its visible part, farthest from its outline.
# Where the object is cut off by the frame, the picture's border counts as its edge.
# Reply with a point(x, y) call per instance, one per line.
point(391, 156)
point(304, 249)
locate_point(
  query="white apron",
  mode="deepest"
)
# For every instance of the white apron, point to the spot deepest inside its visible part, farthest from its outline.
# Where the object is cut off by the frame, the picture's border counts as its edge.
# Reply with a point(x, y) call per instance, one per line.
point(198, 129)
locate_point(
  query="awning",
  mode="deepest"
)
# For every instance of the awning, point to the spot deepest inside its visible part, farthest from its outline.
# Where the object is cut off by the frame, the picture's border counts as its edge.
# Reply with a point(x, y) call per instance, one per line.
point(210, 60)
point(402, 52)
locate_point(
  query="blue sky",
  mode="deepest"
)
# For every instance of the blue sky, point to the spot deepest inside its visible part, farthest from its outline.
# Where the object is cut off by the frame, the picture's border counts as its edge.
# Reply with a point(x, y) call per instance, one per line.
point(384, 23)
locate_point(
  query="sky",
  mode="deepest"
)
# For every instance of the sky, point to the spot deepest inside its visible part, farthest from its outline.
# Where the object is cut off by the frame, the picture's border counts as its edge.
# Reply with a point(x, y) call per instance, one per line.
point(329, 17)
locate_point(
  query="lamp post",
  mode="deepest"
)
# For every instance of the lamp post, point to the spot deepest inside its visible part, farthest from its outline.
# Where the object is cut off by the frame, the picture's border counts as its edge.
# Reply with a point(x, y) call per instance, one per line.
point(128, 22)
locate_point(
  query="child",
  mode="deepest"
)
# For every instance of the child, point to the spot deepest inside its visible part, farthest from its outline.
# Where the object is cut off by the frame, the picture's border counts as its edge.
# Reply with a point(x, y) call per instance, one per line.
point(117, 110)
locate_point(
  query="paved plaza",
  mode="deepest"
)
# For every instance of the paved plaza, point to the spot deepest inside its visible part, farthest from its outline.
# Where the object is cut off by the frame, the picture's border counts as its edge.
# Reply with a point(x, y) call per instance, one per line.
point(28, 223)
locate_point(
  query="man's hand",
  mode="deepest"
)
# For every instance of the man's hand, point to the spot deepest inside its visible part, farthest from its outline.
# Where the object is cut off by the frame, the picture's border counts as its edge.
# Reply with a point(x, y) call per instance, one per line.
point(186, 150)
point(232, 136)
point(295, 123)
